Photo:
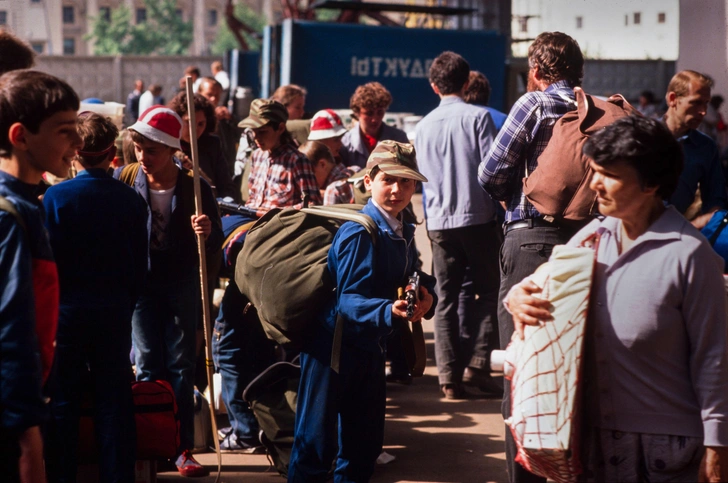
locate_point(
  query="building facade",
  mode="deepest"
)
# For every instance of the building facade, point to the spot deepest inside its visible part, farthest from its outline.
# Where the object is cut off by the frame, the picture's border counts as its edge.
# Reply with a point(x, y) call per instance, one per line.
point(613, 29)
point(58, 27)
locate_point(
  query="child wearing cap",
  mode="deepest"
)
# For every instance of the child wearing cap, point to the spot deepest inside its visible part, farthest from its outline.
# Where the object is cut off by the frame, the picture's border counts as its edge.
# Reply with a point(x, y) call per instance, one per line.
point(166, 316)
point(328, 129)
point(280, 175)
point(367, 278)
point(97, 229)
point(37, 134)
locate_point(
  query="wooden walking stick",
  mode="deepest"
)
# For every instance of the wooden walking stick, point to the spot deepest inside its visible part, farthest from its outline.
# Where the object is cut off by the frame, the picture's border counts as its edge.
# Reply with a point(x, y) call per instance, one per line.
point(203, 266)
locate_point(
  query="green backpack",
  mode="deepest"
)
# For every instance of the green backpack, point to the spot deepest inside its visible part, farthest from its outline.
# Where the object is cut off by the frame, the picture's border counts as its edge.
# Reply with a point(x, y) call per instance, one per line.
point(282, 268)
point(273, 397)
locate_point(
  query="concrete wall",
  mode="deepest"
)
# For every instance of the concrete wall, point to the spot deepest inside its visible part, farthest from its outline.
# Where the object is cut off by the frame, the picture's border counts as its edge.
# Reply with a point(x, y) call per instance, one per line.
point(112, 78)
point(606, 29)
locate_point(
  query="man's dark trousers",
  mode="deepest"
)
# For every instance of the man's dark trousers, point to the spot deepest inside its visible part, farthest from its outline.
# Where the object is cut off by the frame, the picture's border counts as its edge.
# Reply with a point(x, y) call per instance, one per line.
point(523, 250)
point(453, 252)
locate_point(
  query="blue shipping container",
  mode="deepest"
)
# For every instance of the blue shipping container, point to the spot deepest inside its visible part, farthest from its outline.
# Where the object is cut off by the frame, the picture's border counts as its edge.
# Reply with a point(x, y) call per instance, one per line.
point(331, 60)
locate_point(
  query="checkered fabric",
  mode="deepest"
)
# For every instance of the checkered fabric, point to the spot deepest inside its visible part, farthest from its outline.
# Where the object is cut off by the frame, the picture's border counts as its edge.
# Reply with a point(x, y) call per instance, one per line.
point(338, 187)
point(278, 179)
point(546, 369)
point(519, 143)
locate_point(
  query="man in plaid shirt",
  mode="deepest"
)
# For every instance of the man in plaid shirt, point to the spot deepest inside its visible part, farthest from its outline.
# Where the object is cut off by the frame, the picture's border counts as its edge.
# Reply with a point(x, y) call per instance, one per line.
point(280, 175)
point(556, 66)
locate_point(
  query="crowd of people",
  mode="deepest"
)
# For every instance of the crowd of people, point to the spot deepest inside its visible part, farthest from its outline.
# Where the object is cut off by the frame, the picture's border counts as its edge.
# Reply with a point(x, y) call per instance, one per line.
point(107, 263)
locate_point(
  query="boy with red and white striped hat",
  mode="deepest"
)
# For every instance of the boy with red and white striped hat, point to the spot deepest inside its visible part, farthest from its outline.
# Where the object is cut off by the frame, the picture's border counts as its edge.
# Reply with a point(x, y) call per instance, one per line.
point(327, 128)
point(165, 320)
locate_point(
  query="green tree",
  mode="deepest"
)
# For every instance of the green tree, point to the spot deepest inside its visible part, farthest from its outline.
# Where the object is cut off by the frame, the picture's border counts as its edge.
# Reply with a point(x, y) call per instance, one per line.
point(163, 33)
point(225, 39)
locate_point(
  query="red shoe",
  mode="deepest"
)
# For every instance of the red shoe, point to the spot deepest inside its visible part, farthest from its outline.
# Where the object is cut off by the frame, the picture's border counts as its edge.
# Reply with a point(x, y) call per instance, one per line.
point(188, 466)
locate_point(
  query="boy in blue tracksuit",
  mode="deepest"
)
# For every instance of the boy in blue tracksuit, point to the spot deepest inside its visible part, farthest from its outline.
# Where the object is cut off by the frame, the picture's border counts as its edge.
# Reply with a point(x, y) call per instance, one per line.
point(367, 279)
point(37, 134)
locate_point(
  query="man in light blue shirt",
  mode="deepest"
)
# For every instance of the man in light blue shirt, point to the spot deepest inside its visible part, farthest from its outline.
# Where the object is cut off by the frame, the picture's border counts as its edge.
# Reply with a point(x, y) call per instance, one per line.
point(450, 142)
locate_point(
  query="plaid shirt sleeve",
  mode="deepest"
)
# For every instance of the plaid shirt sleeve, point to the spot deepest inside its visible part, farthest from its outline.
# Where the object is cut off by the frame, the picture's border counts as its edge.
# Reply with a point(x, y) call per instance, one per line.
point(501, 171)
point(338, 192)
point(278, 179)
point(305, 179)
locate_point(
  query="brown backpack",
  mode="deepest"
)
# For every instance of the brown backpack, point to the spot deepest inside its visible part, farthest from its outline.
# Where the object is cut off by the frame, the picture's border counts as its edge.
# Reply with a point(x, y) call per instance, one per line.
point(559, 187)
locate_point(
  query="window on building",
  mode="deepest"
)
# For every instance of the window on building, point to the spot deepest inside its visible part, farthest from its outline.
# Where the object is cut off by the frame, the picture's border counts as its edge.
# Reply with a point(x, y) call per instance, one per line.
point(3, 17)
point(69, 46)
point(637, 18)
point(37, 47)
point(661, 17)
point(579, 22)
point(34, 1)
point(523, 24)
point(212, 17)
point(69, 14)
point(105, 13)
point(179, 13)
point(141, 15)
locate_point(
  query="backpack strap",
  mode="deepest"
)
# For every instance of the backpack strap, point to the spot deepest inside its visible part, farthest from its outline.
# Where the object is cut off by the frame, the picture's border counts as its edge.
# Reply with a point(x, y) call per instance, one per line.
point(7, 205)
point(346, 213)
point(129, 173)
point(714, 237)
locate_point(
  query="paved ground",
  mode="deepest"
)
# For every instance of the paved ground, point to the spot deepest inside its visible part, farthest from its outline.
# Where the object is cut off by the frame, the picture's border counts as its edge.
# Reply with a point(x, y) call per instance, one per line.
point(433, 440)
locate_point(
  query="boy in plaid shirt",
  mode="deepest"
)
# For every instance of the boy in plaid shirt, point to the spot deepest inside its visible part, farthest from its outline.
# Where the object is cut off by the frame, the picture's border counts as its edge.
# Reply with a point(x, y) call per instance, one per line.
point(280, 175)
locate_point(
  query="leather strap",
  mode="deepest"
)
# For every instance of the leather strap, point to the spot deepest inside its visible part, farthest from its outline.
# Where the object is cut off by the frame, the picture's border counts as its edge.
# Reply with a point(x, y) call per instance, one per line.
point(7, 205)
point(336, 347)
point(129, 173)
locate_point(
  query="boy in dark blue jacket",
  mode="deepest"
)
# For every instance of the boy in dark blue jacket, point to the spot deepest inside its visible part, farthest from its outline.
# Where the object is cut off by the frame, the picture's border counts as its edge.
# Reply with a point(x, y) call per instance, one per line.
point(367, 279)
point(37, 134)
point(97, 228)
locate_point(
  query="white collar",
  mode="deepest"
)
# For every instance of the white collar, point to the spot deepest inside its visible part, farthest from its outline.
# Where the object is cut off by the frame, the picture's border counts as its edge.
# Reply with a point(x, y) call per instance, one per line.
point(393, 222)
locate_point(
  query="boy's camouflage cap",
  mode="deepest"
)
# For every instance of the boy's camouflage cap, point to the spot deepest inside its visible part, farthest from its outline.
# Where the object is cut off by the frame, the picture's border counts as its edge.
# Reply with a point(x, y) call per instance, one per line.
point(397, 159)
point(263, 111)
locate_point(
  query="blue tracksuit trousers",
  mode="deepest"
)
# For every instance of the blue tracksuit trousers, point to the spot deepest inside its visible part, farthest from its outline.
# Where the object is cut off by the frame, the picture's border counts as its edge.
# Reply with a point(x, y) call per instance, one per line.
point(355, 399)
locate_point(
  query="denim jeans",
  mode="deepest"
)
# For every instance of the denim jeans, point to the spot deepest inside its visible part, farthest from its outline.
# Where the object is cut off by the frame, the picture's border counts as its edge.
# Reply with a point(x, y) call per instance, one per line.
point(471, 250)
point(164, 332)
point(92, 344)
point(522, 252)
point(240, 351)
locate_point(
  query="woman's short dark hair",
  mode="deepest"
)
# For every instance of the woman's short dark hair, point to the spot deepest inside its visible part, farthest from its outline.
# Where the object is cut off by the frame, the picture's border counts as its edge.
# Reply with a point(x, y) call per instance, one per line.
point(449, 72)
point(30, 97)
point(179, 105)
point(646, 145)
point(478, 91)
